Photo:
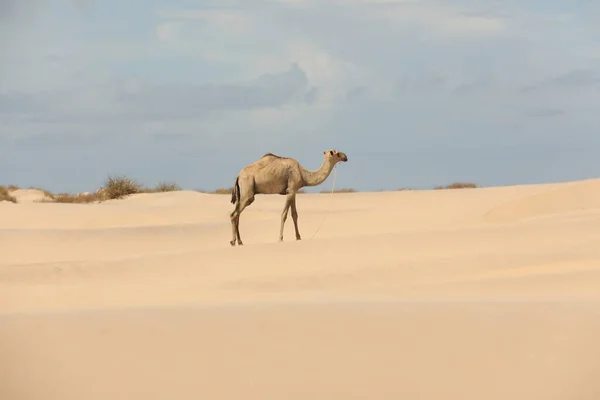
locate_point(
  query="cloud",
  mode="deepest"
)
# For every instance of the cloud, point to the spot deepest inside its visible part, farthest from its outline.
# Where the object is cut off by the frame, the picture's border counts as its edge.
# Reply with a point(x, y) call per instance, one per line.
point(18, 103)
point(312, 95)
point(421, 83)
point(356, 93)
point(441, 18)
point(477, 86)
point(134, 100)
point(35, 45)
point(236, 22)
point(280, 35)
point(257, 39)
point(575, 79)
point(168, 31)
point(269, 90)
point(543, 112)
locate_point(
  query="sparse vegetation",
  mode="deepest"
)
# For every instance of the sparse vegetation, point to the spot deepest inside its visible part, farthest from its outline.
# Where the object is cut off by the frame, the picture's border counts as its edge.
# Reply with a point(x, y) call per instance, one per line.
point(115, 187)
point(165, 187)
point(5, 194)
point(457, 185)
point(222, 191)
point(74, 198)
point(120, 186)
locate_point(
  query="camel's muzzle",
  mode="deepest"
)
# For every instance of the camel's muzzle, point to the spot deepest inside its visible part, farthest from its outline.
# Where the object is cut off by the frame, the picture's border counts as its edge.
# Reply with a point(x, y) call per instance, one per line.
point(345, 158)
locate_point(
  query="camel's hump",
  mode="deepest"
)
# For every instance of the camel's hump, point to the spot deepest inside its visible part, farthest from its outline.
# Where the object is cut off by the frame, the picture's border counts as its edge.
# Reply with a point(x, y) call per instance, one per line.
point(272, 155)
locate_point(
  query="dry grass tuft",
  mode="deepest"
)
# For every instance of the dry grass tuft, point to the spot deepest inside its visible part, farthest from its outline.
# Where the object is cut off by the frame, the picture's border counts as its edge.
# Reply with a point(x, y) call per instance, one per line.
point(5, 194)
point(164, 187)
point(457, 185)
point(82, 198)
point(223, 191)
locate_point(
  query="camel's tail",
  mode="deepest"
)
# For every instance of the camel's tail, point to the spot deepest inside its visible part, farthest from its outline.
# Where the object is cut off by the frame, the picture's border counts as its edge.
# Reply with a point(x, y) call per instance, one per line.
point(235, 192)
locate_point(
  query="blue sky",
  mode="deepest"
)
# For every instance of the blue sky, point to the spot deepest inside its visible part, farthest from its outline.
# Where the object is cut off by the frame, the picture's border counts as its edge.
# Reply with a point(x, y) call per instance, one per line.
point(418, 93)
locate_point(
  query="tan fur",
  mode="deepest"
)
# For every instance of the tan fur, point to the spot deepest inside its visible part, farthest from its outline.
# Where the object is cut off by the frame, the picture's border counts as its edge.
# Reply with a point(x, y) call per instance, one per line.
point(273, 174)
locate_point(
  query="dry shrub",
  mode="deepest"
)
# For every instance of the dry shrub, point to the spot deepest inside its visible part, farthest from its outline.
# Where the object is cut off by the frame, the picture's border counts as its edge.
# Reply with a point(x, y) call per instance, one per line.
point(5, 194)
point(457, 185)
point(165, 187)
point(223, 191)
point(117, 187)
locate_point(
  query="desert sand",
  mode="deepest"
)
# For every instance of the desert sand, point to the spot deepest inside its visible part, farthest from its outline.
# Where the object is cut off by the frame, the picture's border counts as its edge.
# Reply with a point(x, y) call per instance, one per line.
point(488, 293)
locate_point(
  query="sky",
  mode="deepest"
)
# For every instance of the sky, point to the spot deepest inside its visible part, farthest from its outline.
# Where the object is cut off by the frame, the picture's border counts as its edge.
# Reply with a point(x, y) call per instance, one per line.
point(417, 93)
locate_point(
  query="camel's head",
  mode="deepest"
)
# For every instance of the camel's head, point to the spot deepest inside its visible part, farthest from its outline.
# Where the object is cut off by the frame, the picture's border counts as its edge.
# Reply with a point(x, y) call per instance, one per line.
point(335, 155)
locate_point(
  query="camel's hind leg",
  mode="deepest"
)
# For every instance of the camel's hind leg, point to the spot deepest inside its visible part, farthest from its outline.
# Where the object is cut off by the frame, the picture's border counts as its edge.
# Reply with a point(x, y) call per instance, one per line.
point(295, 218)
point(234, 223)
point(235, 219)
point(237, 230)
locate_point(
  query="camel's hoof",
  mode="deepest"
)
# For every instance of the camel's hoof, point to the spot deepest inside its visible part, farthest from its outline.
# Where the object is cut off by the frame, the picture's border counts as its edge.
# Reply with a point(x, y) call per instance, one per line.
point(298, 238)
point(240, 244)
point(232, 242)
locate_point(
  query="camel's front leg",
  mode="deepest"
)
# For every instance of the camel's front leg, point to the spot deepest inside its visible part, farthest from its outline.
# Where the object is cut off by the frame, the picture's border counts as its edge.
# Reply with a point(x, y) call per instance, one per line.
point(284, 214)
point(295, 218)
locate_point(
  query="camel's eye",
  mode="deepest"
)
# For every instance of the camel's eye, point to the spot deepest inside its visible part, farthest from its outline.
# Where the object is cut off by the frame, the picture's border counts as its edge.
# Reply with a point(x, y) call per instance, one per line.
point(331, 152)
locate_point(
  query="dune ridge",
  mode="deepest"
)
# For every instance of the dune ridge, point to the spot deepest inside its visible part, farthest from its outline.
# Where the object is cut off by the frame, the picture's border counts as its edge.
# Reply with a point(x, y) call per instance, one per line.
point(432, 294)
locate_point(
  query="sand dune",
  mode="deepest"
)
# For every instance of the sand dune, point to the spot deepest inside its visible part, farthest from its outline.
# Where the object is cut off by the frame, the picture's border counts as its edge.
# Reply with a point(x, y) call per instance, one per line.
point(445, 294)
point(28, 195)
point(570, 197)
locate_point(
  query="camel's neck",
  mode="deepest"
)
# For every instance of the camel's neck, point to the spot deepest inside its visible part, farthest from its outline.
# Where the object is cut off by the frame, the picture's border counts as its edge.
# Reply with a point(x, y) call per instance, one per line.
point(314, 178)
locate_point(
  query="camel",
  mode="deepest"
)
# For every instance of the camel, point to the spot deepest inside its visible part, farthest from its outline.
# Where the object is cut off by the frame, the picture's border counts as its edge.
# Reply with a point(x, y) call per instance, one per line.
point(273, 174)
